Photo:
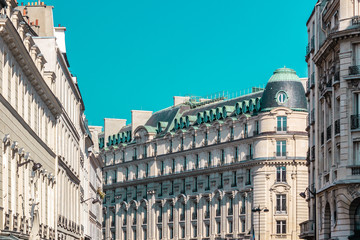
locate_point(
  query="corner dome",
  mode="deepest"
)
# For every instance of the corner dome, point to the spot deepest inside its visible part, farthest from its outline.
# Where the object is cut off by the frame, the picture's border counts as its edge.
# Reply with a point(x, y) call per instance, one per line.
point(284, 89)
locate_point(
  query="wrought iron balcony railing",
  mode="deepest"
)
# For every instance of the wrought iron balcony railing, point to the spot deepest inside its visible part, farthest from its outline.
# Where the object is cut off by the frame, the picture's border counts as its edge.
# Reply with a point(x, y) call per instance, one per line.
point(354, 70)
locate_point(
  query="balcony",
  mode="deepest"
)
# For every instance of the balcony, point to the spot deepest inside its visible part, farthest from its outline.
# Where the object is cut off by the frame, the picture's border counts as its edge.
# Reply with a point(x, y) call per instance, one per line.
point(307, 229)
point(355, 121)
point(355, 20)
point(354, 70)
point(355, 170)
point(328, 133)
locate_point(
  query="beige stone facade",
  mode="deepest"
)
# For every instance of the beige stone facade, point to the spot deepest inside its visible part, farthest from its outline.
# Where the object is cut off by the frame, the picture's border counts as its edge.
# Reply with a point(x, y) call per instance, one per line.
point(197, 169)
point(333, 89)
point(46, 150)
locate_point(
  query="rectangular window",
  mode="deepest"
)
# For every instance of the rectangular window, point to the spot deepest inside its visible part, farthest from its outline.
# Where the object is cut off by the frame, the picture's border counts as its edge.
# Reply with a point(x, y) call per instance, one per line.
point(243, 225)
point(162, 168)
point(218, 136)
point(155, 149)
point(234, 182)
point(182, 231)
point(171, 230)
point(193, 141)
point(135, 154)
point(257, 129)
point(195, 184)
point(356, 156)
point(250, 151)
point(147, 170)
point(281, 148)
point(281, 227)
point(222, 156)
point(161, 190)
point(230, 226)
point(207, 230)
point(173, 166)
point(221, 181)
point(145, 151)
point(245, 130)
point(172, 188)
point(248, 177)
point(197, 162)
point(160, 232)
point(194, 230)
point(185, 163)
point(218, 227)
point(281, 203)
point(206, 138)
point(236, 153)
point(137, 172)
point(231, 133)
point(182, 144)
point(209, 159)
point(171, 146)
point(208, 183)
point(281, 174)
point(281, 124)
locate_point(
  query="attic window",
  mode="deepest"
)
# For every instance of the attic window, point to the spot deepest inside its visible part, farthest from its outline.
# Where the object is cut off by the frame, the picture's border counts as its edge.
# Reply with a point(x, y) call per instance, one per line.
point(281, 97)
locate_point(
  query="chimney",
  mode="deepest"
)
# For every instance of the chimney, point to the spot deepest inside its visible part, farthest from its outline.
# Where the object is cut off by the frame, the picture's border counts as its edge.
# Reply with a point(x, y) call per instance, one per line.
point(60, 38)
point(139, 118)
point(112, 126)
point(179, 100)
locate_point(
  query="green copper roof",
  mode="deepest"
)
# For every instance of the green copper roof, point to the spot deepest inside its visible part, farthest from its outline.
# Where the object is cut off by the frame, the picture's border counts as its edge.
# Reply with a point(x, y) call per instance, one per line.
point(284, 74)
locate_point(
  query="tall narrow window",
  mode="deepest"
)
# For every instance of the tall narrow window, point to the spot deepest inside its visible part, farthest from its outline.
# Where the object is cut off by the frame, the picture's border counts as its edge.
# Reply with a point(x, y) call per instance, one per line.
point(356, 156)
point(206, 138)
point(195, 184)
point(281, 124)
point(135, 154)
point(155, 149)
point(172, 188)
point(193, 141)
point(208, 183)
point(182, 144)
point(221, 181)
point(234, 179)
point(197, 161)
point(171, 146)
point(161, 190)
point(162, 168)
point(281, 203)
point(281, 148)
point(147, 170)
point(222, 157)
point(245, 130)
point(185, 164)
point(251, 154)
point(173, 166)
point(257, 130)
point(137, 172)
point(209, 159)
point(145, 151)
point(281, 174)
point(248, 177)
point(231, 133)
point(219, 136)
point(281, 227)
point(236, 154)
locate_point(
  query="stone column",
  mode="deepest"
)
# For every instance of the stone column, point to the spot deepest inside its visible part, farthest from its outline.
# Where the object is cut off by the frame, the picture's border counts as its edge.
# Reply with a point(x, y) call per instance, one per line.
point(151, 214)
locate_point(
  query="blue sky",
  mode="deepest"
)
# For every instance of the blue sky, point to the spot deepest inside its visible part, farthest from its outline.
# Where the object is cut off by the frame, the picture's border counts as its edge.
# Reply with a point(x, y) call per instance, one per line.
point(138, 54)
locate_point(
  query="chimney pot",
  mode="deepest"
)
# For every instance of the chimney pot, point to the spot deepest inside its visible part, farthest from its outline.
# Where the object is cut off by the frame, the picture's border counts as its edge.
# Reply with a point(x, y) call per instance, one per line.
point(37, 22)
point(22, 4)
point(59, 25)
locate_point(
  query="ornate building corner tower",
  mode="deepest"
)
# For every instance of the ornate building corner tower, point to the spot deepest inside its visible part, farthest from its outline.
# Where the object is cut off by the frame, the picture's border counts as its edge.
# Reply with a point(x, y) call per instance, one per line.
point(210, 168)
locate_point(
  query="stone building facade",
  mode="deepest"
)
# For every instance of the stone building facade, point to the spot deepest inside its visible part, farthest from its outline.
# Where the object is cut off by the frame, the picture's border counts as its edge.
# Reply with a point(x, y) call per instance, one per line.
point(45, 138)
point(333, 99)
point(210, 169)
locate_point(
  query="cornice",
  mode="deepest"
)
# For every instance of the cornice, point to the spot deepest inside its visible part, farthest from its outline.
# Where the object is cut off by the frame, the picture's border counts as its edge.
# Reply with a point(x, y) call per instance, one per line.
point(19, 51)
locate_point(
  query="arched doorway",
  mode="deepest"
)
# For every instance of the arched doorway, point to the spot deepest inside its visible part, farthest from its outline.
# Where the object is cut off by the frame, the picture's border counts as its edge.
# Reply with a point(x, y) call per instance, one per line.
point(354, 213)
point(327, 222)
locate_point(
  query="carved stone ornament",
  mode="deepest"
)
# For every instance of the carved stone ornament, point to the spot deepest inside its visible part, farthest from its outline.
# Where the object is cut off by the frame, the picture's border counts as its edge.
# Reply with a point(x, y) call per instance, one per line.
point(354, 190)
